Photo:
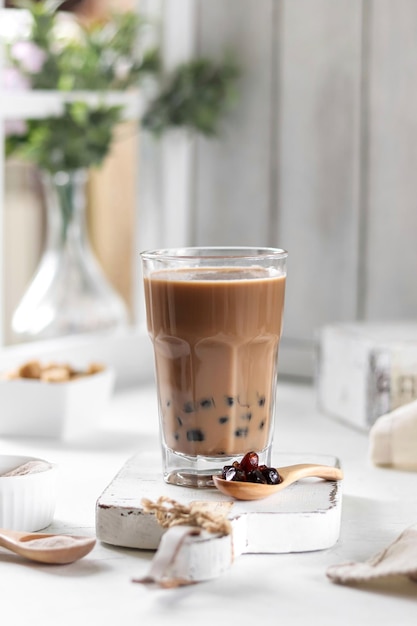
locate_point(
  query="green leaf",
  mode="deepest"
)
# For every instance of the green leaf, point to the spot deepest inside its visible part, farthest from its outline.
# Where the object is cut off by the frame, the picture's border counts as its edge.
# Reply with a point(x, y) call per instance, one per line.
point(196, 95)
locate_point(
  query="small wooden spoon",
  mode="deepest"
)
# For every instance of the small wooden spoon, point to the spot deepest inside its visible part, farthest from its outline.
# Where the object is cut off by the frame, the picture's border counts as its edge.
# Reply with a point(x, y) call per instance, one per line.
point(290, 474)
point(57, 549)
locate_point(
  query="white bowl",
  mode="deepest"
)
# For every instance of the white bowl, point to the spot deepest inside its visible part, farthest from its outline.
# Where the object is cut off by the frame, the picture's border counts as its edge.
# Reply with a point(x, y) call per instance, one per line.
point(64, 410)
point(27, 502)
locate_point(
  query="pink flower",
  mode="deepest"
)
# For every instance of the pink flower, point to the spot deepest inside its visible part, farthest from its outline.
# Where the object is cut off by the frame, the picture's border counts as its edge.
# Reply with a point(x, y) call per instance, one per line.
point(29, 55)
point(15, 127)
point(14, 80)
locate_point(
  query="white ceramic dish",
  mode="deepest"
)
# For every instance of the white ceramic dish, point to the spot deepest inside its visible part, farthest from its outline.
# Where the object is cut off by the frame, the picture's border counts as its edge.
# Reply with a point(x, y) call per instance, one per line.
point(64, 410)
point(27, 502)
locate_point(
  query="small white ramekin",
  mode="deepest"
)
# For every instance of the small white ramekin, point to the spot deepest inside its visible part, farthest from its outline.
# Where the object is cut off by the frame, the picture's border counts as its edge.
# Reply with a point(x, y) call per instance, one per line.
point(27, 502)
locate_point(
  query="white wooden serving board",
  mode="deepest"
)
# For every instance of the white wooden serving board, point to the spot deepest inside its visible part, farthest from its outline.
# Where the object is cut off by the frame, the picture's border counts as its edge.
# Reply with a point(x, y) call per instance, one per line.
point(303, 517)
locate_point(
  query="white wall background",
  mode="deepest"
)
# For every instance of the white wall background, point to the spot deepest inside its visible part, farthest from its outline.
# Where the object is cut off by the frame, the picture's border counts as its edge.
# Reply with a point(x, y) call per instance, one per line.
point(319, 157)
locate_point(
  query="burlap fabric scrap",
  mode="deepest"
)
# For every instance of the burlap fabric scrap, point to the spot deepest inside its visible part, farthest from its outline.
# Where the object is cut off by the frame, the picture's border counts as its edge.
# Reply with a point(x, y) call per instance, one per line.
point(177, 562)
point(398, 559)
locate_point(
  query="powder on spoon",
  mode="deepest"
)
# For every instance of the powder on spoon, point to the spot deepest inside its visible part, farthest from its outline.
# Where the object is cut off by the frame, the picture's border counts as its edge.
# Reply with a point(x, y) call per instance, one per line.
point(56, 541)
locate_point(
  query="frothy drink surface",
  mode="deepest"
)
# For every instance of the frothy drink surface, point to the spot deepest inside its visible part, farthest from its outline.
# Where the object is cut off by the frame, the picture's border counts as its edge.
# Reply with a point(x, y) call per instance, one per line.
point(216, 334)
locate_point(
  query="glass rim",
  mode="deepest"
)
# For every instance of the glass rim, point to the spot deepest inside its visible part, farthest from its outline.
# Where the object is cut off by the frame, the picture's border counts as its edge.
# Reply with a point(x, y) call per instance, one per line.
point(218, 252)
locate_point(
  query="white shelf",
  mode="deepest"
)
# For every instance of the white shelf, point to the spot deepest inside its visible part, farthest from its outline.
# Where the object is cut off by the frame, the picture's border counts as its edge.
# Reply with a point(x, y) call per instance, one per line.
point(39, 104)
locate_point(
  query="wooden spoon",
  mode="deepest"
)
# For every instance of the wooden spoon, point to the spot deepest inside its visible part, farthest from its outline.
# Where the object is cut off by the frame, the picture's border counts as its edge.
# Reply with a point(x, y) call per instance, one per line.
point(57, 549)
point(290, 474)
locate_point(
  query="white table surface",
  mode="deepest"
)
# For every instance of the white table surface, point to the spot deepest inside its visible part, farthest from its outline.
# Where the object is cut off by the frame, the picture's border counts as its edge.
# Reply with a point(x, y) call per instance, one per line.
point(378, 504)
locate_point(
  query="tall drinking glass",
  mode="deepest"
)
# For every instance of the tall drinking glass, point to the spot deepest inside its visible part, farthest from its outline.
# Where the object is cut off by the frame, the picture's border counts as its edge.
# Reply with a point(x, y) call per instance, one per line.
point(215, 319)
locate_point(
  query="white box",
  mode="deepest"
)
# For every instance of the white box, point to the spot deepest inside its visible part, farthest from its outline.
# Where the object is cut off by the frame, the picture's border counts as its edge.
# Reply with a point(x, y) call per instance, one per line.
point(364, 370)
point(64, 410)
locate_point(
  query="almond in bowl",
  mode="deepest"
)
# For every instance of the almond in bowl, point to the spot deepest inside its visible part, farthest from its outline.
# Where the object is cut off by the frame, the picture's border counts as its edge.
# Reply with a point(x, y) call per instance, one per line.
point(54, 400)
point(52, 372)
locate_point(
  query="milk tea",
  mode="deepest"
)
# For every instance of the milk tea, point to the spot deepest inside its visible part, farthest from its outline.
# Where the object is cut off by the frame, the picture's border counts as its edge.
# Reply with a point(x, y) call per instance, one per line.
point(216, 334)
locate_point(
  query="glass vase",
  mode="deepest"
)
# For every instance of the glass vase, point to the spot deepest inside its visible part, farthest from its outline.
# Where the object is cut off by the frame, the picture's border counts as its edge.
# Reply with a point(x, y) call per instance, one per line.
point(69, 293)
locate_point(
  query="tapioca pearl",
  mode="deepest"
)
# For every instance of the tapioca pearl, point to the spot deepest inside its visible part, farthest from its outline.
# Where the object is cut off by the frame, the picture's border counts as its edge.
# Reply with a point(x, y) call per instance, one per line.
point(241, 432)
point(223, 419)
point(262, 425)
point(272, 476)
point(176, 436)
point(188, 407)
point(256, 476)
point(261, 400)
point(195, 434)
point(179, 420)
point(247, 416)
point(168, 403)
point(207, 403)
point(229, 400)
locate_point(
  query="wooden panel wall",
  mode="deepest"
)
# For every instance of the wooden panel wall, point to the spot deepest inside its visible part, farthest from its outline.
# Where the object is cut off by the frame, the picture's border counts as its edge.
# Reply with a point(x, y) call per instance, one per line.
point(317, 166)
point(320, 155)
point(233, 173)
point(286, 169)
point(391, 251)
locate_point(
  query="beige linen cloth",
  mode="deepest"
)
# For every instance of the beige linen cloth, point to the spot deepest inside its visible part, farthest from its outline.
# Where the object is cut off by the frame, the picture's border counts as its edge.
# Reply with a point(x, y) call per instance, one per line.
point(398, 559)
point(392, 443)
